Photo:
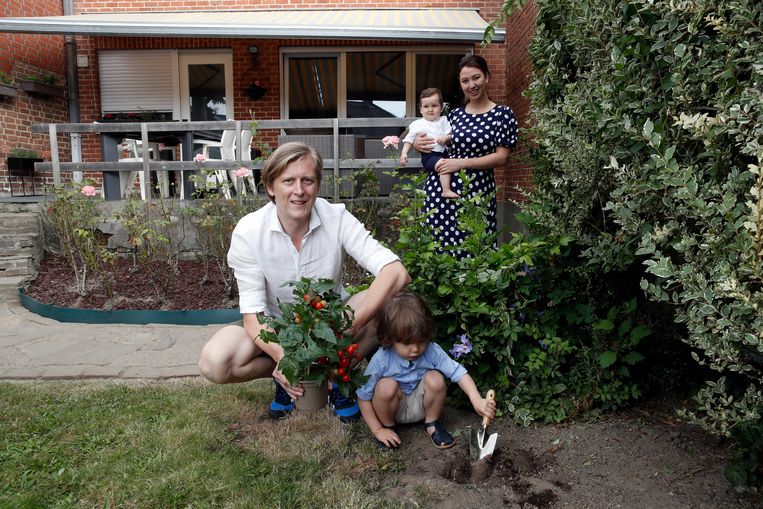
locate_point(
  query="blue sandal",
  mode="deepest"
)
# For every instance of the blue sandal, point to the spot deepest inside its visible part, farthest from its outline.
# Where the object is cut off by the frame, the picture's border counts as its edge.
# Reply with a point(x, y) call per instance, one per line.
point(440, 436)
point(345, 408)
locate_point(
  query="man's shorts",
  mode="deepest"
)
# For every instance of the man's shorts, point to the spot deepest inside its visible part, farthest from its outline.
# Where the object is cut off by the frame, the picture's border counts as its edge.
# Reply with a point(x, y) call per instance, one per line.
point(411, 407)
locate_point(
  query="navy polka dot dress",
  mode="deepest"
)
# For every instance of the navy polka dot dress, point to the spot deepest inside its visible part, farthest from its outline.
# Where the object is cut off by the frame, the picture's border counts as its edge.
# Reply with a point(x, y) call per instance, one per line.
point(472, 136)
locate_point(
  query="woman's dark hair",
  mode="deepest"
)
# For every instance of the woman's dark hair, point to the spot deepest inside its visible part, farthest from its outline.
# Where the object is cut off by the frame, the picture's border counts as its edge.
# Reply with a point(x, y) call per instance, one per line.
point(474, 61)
point(406, 319)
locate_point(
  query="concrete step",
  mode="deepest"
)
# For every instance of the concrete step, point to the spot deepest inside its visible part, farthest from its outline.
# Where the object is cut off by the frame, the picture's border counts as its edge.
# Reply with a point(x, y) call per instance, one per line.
point(17, 266)
point(19, 222)
point(13, 244)
point(19, 207)
point(9, 286)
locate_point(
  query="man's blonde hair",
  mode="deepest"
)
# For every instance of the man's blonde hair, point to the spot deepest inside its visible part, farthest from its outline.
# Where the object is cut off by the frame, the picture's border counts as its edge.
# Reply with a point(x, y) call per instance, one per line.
point(286, 154)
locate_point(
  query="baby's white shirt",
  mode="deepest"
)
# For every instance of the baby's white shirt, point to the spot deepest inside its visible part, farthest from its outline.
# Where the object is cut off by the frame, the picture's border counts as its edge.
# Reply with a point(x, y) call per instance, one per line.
point(439, 127)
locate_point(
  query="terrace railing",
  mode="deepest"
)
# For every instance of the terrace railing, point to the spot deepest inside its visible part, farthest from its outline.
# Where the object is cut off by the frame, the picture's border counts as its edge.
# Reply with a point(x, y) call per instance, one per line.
point(185, 131)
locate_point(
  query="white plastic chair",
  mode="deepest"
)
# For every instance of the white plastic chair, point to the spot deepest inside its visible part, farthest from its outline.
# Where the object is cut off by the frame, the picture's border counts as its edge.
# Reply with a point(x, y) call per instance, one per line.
point(225, 150)
point(132, 151)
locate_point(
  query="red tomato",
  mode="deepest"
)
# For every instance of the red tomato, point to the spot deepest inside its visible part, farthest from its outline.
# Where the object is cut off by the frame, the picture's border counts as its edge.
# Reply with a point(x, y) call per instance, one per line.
point(346, 378)
point(320, 305)
point(344, 362)
point(323, 360)
point(352, 348)
point(340, 372)
point(307, 297)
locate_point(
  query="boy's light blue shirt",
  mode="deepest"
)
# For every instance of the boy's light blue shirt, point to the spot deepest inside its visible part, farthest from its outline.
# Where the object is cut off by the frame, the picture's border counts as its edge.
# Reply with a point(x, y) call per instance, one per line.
point(386, 363)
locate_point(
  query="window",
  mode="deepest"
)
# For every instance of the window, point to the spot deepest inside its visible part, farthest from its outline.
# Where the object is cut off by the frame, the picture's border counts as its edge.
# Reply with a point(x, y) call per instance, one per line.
point(366, 82)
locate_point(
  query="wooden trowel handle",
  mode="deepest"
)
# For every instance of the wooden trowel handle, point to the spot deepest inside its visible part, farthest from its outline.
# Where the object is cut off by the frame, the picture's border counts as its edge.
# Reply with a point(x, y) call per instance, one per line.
point(490, 397)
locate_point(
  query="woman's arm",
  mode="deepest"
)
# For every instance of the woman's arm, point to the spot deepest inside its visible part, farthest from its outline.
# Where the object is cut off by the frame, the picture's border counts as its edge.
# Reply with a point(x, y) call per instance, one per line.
point(497, 158)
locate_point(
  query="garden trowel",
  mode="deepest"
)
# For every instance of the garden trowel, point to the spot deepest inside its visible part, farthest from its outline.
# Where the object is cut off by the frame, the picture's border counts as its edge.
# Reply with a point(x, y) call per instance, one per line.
point(480, 448)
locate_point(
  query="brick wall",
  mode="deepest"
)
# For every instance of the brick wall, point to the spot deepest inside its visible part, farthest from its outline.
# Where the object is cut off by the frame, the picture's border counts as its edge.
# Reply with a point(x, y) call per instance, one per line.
point(508, 62)
point(22, 55)
point(520, 30)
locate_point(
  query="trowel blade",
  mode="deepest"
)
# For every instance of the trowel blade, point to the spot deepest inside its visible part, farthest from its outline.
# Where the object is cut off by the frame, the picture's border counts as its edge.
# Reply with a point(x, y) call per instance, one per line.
point(489, 447)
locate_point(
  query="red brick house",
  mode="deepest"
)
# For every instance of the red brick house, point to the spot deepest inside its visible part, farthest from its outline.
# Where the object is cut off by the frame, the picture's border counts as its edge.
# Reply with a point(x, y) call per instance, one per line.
point(205, 60)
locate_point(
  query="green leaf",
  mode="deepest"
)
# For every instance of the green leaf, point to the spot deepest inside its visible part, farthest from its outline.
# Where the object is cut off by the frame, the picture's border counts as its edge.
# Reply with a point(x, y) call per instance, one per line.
point(633, 358)
point(648, 128)
point(638, 333)
point(606, 359)
point(604, 325)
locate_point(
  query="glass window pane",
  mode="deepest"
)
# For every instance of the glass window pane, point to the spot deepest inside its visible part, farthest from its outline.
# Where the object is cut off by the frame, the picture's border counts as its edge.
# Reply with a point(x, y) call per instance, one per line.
point(206, 88)
point(439, 70)
point(312, 87)
point(375, 88)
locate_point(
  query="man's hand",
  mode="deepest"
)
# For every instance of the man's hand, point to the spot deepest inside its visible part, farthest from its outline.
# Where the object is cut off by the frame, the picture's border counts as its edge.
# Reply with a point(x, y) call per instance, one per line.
point(295, 392)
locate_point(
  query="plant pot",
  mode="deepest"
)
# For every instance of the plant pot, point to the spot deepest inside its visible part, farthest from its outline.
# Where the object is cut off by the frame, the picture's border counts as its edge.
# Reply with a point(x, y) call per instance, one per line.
point(8, 91)
point(42, 89)
point(22, 166)
point(315, 396)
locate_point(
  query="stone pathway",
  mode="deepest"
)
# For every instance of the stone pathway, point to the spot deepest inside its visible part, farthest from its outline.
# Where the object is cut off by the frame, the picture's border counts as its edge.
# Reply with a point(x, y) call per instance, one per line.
point(33, 347)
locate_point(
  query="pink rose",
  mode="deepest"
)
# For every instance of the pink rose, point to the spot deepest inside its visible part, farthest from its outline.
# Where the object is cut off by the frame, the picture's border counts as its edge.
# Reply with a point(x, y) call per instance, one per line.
point(391, 141)
point(243, 172)
point(199, 158)
point(88, 190)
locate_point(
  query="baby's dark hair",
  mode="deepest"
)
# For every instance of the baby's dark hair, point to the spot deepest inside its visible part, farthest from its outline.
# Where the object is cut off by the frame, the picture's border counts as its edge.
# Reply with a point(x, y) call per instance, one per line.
point(429, 92)
point(405, 319)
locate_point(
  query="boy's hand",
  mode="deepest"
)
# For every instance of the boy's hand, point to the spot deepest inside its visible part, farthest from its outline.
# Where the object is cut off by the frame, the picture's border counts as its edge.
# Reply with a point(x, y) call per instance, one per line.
point(442, 140)
point(486, 408)
point(403, 159)
point(387, 437)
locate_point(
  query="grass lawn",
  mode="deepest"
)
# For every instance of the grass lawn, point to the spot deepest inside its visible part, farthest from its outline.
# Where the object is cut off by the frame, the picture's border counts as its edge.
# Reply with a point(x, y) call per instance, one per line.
point(179, 443)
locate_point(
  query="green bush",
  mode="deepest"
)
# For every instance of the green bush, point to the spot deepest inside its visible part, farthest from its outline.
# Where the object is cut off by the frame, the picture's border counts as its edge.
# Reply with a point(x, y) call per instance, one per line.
point(649, 124)
point(535, 338)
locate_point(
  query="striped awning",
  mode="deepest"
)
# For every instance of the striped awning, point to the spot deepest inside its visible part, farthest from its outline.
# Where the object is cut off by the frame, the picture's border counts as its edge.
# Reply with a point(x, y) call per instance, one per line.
point(369, 24)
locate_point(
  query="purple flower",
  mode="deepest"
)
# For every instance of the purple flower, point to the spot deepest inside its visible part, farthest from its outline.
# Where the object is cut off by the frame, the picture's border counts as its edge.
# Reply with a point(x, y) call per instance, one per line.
point(462, 348)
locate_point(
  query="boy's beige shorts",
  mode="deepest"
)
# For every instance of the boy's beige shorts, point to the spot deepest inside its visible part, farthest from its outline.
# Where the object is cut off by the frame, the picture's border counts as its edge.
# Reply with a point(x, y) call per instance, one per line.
point(411, 407)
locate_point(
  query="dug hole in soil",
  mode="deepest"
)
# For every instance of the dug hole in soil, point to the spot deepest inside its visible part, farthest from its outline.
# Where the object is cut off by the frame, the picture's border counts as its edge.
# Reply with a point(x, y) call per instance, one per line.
point(627, 460)
point(133, 287)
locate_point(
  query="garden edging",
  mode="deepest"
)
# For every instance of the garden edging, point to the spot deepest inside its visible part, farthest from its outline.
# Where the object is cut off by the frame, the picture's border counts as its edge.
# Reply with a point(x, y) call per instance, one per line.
point(130, 316)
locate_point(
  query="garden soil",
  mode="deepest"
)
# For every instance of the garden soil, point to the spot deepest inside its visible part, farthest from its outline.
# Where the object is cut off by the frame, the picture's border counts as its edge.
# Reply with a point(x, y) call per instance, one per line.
point(643, 458)
point(629, 460)
point(133, 287)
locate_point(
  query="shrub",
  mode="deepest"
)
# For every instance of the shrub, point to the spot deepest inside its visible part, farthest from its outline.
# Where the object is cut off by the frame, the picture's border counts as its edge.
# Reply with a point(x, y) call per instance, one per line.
point(534, 337)
point(649, 121)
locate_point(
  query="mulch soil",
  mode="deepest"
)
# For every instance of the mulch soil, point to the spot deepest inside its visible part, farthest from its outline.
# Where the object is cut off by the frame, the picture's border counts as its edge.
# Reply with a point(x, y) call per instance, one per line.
point(133, 287)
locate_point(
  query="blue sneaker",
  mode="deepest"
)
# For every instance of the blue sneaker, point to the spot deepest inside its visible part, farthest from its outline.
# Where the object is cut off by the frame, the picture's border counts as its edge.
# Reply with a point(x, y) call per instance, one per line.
point(345, 408)
point(281, 405)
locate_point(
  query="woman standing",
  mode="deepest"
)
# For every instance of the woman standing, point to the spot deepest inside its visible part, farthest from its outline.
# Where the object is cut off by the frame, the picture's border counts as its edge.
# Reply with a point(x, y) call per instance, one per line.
point(482, 134)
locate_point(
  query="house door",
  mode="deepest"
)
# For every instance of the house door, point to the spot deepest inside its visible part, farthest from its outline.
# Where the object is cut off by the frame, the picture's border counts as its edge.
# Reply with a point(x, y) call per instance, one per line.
point(206, 85)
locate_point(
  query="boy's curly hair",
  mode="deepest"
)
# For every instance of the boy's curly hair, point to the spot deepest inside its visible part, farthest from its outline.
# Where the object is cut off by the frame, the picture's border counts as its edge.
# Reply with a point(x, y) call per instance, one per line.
point(405, 319)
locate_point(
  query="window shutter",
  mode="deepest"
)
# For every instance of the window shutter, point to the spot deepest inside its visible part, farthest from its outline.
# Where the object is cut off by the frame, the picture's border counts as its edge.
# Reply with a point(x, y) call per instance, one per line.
point(136, 80)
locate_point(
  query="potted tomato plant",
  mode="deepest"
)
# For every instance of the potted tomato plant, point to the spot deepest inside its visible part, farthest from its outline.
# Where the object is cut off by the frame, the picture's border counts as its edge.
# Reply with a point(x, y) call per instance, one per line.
point(313, 332)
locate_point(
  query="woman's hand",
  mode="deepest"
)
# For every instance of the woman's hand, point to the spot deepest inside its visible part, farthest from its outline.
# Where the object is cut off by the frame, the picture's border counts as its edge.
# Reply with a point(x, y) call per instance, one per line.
point(445, 166)
point(423, 143)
